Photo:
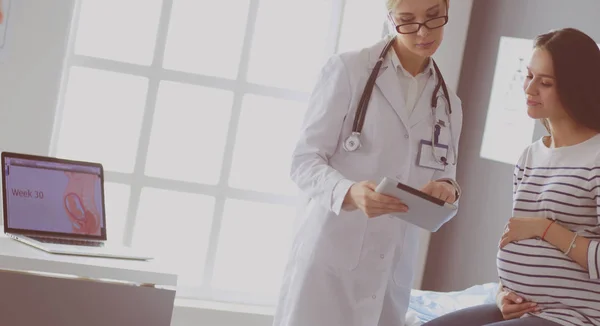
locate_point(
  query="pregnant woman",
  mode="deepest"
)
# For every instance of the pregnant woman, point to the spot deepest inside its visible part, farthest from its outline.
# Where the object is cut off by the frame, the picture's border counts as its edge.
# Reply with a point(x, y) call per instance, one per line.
point(549, 257)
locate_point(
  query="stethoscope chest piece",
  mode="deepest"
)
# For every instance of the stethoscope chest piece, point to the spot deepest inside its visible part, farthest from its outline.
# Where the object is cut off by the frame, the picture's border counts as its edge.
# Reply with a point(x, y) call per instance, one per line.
point(352, 142)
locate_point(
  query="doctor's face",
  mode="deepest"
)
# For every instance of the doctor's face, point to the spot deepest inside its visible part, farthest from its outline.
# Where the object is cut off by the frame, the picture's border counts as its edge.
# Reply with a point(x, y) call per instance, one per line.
point(540, 88)
point(406, 15)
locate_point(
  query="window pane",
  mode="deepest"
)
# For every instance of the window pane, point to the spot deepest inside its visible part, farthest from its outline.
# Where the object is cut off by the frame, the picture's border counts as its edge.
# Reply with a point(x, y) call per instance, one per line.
point(102, 117)
point(289, 44)
point(253, 246)
point(266, 135)
point(206, 37)
point(117, 203)
point(189, 128)
point(121, 30)
point(175, 226)
point(362, 24)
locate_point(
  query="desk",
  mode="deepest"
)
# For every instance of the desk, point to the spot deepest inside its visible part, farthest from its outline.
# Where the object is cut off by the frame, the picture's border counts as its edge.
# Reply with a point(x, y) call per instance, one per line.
point(38, 288)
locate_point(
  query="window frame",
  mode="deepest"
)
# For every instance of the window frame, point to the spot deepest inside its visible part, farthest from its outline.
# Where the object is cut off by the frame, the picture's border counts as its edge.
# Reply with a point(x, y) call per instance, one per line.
point(155, 73)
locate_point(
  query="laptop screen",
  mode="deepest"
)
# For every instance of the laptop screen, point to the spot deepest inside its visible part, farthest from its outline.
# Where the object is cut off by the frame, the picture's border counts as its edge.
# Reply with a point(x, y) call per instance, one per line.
point(51, 196)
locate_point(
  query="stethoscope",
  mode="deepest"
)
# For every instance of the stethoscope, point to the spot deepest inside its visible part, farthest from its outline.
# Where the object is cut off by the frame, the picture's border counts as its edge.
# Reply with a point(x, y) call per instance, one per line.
point(353, 143)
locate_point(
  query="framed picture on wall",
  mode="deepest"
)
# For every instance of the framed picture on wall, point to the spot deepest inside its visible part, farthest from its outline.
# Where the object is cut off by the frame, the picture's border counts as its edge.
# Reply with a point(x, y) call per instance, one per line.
point(508, 129)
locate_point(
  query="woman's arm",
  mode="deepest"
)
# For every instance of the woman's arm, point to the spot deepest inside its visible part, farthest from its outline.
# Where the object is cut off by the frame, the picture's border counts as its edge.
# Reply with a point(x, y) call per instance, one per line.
point(583, 252)
point(327, 108)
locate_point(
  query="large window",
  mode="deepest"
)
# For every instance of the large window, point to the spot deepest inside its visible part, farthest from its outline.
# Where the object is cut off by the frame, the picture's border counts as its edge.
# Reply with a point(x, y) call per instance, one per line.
point(193, 107)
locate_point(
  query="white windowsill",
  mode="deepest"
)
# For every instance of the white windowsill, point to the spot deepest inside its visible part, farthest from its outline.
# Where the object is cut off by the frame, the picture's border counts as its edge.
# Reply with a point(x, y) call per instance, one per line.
point(224, 306)
point(211, 305)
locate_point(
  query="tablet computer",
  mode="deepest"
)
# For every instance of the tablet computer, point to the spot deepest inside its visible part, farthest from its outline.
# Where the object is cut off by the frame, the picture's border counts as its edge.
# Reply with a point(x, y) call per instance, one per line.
point(424, 211)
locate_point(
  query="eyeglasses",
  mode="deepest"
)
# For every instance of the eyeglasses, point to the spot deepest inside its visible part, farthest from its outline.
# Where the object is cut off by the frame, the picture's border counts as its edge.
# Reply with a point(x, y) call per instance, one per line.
point(412, 28)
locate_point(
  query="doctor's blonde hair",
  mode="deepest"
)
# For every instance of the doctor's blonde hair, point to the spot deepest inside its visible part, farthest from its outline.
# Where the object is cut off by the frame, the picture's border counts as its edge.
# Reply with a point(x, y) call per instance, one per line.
point(391, 4)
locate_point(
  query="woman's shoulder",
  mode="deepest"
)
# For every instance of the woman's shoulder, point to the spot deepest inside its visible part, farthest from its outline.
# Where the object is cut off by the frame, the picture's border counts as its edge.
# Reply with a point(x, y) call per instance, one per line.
point(353, 64)
point(361, 57)
point(456, 101)
point(527, 154)
point(583, 154)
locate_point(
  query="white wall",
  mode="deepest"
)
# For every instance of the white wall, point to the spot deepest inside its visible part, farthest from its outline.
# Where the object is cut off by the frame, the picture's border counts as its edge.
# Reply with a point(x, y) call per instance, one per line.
point(449, 55)
point(29, 77)
point(30, 80)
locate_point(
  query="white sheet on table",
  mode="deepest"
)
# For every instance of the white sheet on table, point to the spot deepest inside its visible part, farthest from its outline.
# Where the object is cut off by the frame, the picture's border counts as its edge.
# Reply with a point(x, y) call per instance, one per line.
point(427, 305)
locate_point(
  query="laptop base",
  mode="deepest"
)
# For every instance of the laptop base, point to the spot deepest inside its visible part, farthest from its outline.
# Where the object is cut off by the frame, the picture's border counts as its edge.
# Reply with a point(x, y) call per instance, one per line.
point(118, 252)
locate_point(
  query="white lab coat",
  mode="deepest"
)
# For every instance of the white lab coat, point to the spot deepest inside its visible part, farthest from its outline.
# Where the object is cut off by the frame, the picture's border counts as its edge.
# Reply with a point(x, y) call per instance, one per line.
point(346, 269)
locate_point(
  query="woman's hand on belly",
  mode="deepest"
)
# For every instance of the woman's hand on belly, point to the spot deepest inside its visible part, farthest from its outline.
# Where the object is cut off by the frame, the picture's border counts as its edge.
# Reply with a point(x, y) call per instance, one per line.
point(362, 195)
point(521, 228)
point(512, 306)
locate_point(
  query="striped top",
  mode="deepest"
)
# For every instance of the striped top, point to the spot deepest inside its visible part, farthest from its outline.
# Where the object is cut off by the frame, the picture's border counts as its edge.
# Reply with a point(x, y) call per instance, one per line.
point(562, 184)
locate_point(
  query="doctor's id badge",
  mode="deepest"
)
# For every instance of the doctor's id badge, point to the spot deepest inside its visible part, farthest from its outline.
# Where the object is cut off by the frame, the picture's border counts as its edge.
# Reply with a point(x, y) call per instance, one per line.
point(432, 157)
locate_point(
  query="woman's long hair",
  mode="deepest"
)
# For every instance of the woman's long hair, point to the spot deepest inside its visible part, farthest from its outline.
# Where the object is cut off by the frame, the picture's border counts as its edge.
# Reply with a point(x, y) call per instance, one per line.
point(576, 62)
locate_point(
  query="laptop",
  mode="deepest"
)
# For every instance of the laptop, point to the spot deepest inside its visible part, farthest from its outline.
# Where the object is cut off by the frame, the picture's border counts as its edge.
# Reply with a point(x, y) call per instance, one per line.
point(57, 205)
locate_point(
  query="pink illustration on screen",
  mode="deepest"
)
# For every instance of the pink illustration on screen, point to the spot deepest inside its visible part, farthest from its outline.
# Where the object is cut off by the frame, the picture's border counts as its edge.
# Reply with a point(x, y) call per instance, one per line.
point(79, 203)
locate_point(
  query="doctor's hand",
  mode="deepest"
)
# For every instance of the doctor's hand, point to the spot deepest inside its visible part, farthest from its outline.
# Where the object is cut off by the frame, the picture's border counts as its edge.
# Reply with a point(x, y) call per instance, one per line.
point(362, 195)
point(441, 190)
point(513, 306)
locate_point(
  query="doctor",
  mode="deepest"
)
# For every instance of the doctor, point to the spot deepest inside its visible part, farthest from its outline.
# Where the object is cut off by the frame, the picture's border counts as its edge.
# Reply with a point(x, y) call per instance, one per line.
point(350, 264)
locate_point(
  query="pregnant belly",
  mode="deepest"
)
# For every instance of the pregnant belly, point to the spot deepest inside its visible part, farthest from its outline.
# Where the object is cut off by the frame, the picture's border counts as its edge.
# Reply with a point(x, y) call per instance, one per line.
point(536, 270)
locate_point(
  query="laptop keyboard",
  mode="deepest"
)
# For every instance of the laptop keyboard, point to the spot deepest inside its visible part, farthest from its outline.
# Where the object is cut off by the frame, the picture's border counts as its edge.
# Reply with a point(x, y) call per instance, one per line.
point(68, 241)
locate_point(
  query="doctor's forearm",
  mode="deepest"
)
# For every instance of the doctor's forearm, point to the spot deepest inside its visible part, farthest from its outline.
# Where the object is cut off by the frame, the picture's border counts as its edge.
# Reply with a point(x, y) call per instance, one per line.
point(320, 181)
point(341, 196)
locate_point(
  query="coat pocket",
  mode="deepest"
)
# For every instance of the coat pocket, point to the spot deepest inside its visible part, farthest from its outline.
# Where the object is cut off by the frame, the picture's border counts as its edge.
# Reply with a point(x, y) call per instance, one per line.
point(341, 241)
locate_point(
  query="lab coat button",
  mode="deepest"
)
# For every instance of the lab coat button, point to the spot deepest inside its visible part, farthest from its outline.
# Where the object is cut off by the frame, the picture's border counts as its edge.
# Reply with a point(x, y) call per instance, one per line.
point(382, 256)
point(406, 136)
point(374, 297)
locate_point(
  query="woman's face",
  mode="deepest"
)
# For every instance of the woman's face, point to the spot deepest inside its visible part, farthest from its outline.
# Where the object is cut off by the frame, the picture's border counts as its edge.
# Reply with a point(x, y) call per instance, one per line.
point(540, 88)
point(426, 41)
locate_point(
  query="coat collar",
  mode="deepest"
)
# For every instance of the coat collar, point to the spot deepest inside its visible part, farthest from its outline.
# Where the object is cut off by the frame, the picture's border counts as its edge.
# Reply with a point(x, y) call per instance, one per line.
point(390, 87)
point(387, 81)
point(375, 51)
point(390, 58)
